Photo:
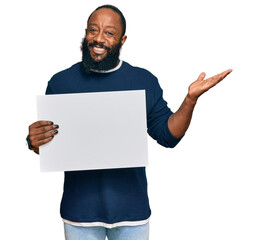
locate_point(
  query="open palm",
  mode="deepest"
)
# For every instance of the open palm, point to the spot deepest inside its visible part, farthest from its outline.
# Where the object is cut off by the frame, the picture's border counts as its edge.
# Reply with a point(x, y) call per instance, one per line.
point(201, 85)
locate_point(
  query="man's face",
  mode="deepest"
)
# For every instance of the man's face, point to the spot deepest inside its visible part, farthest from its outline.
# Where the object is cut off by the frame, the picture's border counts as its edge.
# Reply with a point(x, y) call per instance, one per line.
point(103, 33)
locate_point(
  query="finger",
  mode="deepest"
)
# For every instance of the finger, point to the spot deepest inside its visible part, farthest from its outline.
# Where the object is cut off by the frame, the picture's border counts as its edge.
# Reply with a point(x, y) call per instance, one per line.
point(37, 139)
point(219, 77)
point(40, 124)
point(43, 136)
point(43, 129)
point(201, 76)
point(44, 141)
point(225, 73)
point(222, 75)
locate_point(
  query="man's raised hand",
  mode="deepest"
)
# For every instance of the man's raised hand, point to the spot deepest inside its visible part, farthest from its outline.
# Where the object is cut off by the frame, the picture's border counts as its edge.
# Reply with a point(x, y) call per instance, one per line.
point(201, 85)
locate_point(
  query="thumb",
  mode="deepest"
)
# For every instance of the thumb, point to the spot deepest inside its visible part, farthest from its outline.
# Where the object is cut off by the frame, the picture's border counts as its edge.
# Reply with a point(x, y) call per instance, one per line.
point(201, 76)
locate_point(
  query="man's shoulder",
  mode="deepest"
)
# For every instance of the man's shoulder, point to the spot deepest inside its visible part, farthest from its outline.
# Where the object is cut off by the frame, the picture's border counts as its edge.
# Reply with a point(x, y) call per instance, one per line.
point(138, 70)
point(68, 71)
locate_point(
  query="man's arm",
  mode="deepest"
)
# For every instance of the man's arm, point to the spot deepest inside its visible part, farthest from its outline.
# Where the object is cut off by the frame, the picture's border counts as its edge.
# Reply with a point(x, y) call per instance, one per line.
point(179, 122)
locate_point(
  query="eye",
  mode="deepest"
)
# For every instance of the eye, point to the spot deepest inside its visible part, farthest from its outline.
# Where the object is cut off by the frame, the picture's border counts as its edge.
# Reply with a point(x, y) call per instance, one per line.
point(110, 33)
point(92, 30)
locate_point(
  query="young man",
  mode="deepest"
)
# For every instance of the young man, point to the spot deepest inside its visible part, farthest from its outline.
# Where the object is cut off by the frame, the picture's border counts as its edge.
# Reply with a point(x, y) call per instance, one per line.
point(113, 202)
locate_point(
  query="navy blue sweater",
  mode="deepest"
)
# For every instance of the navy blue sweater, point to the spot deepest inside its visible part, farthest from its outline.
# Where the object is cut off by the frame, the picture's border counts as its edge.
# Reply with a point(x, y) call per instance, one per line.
point(112, 195)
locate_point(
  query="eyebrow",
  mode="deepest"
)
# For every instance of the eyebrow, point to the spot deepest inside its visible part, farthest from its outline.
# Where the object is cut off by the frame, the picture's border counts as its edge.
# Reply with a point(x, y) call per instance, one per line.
point(109, 26)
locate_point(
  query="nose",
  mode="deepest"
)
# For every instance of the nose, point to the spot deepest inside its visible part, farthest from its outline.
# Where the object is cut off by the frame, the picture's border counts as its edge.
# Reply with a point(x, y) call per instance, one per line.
point(99, 38)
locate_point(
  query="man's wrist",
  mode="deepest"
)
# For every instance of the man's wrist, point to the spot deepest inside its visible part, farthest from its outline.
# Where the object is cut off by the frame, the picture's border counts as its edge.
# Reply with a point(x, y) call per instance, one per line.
point(191, 100)
point(29, 144)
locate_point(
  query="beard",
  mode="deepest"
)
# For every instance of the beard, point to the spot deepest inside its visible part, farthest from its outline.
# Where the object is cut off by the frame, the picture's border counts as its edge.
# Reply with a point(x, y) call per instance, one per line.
point(108, 62)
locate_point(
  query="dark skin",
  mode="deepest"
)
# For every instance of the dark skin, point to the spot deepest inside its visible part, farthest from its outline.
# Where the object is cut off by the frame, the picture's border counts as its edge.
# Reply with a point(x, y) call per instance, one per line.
point(179, 122)
point(104, 27)
point(41, 132)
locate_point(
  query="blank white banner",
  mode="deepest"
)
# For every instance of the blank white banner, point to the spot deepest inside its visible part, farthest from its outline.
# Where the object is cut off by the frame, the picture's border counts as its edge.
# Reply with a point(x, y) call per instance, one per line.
point(96, 130)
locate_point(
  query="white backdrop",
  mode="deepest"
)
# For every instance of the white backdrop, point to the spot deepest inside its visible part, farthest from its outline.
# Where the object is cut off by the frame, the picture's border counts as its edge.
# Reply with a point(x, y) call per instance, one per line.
point(205, 188)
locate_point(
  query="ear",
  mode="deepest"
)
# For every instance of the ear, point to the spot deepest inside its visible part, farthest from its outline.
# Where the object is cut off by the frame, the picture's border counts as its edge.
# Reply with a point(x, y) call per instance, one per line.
point(123, 40)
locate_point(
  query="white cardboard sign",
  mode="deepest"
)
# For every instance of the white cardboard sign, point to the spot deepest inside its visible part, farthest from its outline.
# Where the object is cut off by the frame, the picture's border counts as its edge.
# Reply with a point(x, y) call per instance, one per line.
point(96, 130)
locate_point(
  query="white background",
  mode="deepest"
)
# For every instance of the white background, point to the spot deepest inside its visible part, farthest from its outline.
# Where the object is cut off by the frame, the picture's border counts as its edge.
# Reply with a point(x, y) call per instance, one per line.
point(205, 188)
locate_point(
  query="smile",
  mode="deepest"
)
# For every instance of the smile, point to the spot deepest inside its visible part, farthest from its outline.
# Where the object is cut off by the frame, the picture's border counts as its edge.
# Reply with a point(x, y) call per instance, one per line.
point(98, 50)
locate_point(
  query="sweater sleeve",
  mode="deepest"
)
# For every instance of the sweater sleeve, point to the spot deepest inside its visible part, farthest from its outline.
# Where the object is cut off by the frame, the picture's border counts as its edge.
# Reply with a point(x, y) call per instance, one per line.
point(49, 90)
point(157, 119)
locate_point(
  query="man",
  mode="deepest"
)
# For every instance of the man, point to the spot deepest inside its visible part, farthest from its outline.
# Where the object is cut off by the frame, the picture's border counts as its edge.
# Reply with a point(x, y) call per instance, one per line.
point(113, 202)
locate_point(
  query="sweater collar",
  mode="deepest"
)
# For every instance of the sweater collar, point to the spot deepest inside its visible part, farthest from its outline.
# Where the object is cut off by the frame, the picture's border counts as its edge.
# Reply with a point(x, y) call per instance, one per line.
point(110, 70)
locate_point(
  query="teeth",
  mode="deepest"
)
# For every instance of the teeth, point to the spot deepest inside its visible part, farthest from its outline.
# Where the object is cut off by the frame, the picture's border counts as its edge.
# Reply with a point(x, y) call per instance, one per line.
point(100, 50)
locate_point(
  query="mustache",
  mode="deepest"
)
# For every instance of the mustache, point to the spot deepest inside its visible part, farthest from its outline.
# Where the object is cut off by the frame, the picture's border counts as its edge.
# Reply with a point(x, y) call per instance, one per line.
point(100, 45)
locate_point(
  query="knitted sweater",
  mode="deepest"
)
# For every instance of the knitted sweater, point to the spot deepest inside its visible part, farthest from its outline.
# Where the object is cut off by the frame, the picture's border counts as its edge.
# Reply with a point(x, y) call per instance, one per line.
point(112, 195)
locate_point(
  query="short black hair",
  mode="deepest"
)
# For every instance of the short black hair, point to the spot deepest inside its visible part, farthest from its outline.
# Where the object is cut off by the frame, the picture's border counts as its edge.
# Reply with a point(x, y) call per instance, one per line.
point(123, 22)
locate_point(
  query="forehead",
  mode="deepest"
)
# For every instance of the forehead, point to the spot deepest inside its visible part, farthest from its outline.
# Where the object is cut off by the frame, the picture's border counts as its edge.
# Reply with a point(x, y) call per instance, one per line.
point(105, 17)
